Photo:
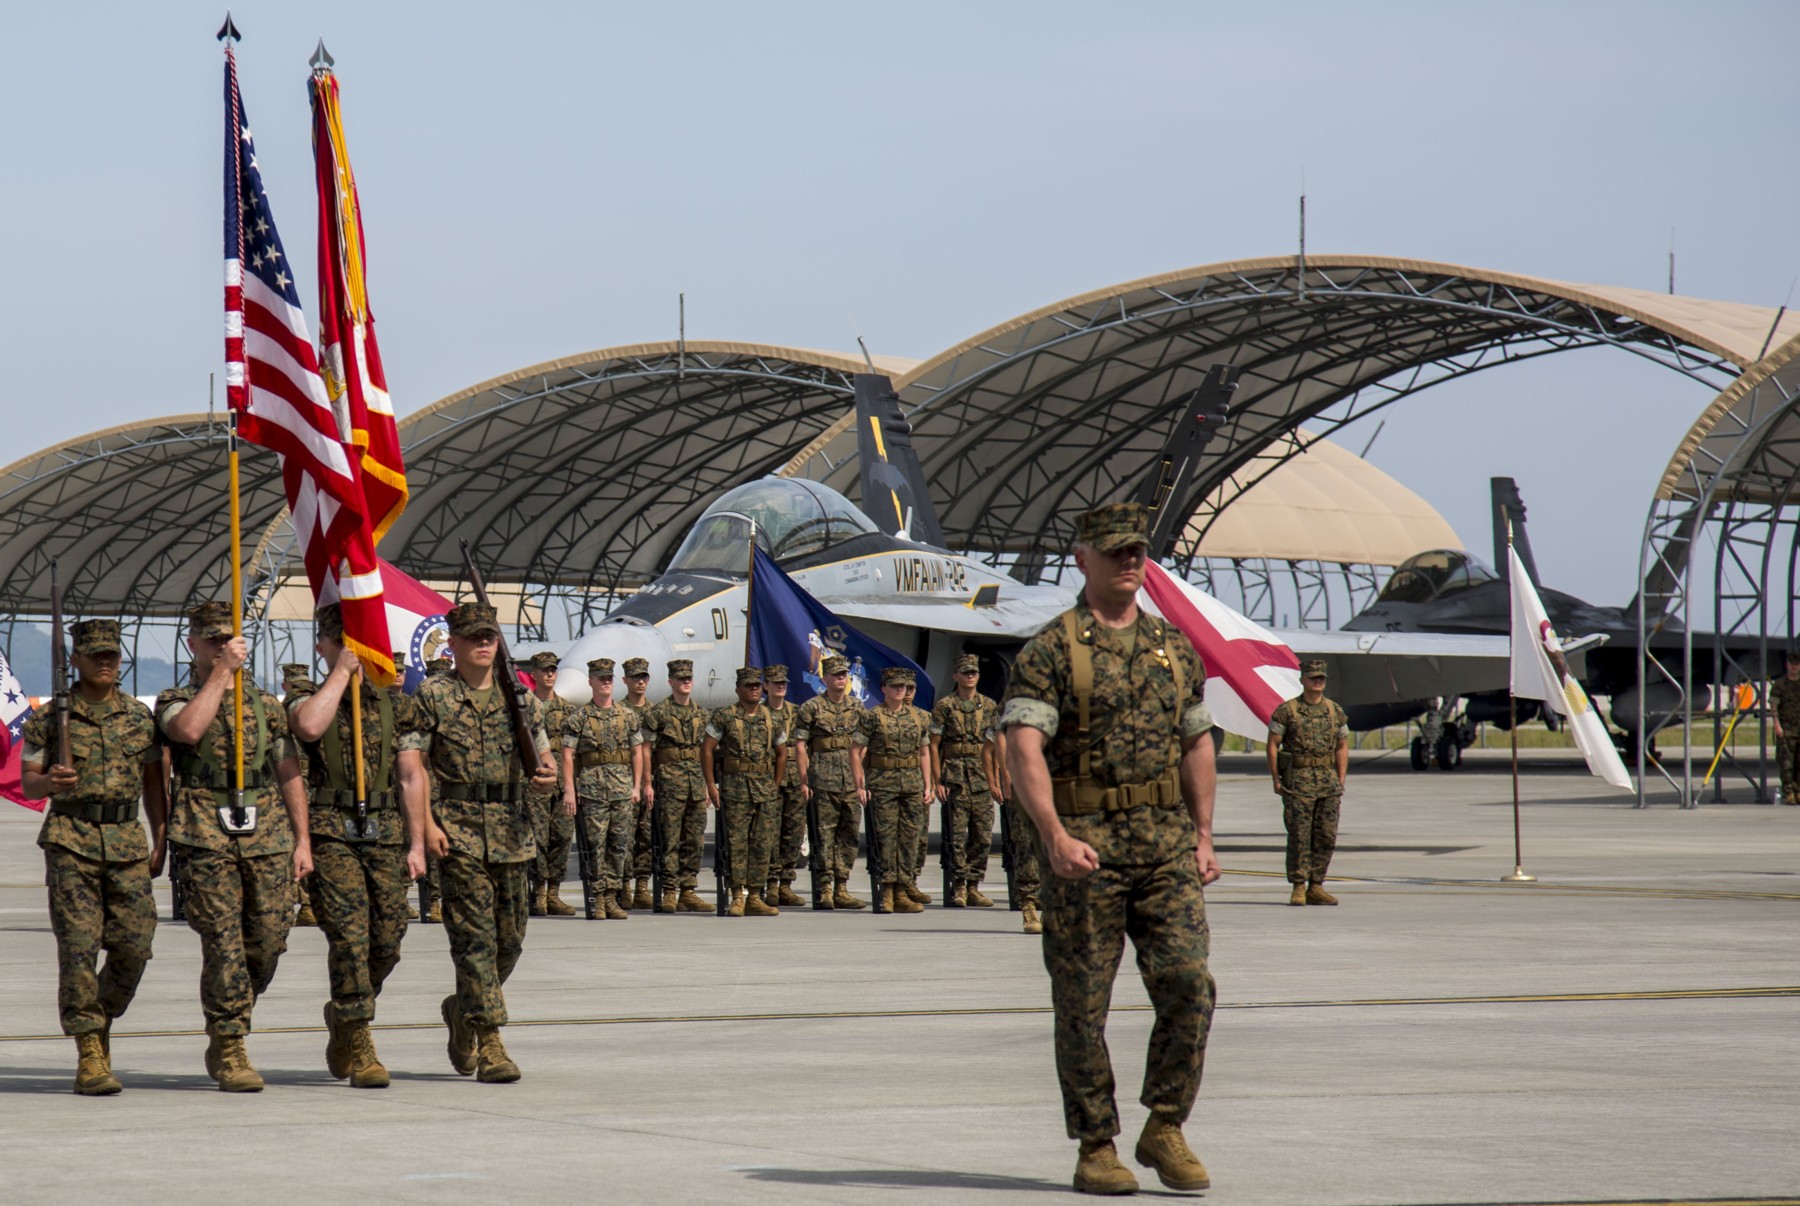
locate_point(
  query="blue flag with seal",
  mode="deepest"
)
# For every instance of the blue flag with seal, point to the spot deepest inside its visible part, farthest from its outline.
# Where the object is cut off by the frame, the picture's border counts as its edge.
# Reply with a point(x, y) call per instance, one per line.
point(789, 626)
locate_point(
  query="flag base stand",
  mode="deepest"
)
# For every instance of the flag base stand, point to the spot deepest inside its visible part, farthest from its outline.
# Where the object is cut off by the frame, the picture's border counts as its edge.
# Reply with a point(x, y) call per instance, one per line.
point(1518, 876)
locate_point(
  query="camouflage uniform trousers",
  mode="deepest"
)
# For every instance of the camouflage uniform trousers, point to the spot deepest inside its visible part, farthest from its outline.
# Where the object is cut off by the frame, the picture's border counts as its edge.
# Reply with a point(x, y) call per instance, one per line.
point(682, 809)
point(921, 820)
point(1026, 877)
point(1086, 921)
point(242, 908)
point(840, 823)
point(784, 863)
point(752, 815)
point(1312, 825)
point(1787, 761)
point(96, 906)
point(971, 835)
point(609, 825)
point(643, 857)
point(485, 907)
point(899, 812)
point(360, 890)
point(554, 830)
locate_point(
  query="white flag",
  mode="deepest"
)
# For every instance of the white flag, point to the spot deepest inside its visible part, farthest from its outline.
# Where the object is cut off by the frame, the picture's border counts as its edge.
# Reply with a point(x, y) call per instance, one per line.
point(1540, 672)
point(1249, 670)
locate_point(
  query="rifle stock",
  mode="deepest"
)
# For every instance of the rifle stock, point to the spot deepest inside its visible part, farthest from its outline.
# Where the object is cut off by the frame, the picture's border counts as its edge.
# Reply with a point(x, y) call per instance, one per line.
point(947, 846)
point(721, 859)
point(524, 740)
point(877, 870)
point(657, 850)
point(1009, 862)
point(584, 855)
point(815, 858)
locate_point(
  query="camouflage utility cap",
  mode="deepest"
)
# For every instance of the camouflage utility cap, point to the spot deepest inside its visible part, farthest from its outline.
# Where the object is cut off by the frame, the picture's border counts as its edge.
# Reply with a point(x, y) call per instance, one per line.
point(209, 621)
point(544, 660)
point(681, 667)
point(399, 660)
point(836, 664)
point(774, 675)
point(1312, 668)
point(896, 676)
point(600, 667)
point(328, 621)
point(749, 676)
point(472, 620)
point(1793, 655)
point(439, 666)
point(295, 675)
point(1114, 526)
point(96, 636)
point(635, 666)
point(968, 661)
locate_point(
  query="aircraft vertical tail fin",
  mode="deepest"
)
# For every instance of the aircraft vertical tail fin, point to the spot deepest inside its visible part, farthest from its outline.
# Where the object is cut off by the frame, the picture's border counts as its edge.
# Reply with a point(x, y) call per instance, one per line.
point(894, 492)
point(1168, 487)
point(1509, 504)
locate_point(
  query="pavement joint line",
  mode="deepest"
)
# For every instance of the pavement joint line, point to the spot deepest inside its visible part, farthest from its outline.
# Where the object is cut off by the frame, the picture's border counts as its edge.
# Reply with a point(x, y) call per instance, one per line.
point(1759, 992)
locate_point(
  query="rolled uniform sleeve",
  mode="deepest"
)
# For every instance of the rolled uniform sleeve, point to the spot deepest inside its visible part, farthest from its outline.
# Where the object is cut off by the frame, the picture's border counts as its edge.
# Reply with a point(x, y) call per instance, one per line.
point(865, 728)
point(1033, 699)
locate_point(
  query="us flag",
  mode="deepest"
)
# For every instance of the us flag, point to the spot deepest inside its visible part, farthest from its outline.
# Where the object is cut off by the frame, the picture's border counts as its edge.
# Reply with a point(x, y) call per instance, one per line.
point(272, 383)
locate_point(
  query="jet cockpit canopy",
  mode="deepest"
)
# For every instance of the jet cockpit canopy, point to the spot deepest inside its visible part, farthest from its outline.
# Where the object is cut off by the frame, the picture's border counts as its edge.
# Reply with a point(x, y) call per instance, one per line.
point(1434, 574)
point(792, 517)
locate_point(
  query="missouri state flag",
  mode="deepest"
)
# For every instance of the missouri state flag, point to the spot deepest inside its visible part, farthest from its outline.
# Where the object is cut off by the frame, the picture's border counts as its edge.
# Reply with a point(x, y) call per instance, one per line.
point(1249, 670)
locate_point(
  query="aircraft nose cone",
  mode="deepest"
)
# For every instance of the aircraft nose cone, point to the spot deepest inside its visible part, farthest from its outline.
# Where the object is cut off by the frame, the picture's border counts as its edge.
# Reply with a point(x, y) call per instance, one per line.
point(617, 641)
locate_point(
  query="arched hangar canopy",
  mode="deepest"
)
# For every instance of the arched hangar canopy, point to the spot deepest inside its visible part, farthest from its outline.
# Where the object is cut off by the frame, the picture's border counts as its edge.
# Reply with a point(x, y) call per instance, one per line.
point(586, 471)
point(1029, 423)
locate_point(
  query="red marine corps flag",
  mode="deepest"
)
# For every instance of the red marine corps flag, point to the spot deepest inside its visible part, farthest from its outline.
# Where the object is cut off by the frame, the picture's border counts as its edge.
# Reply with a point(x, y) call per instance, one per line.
point(276, 395)
point(351, 359)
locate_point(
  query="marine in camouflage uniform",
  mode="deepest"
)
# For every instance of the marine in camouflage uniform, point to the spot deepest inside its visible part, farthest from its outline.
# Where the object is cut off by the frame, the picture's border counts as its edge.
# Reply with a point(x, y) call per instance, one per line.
point(600, 768)
point(675, 728)
point(296, 677)
point(743, 758)
point(962, 753)
point(894, 777)
point(363, 864)
point(551, 823)
point(1312, 735)
point(97, 864)
point(1784, 706)
point(239, 885)
point(485, 846)
point(790, 838)
point(823, 734)
point(1120, 791)
point(643, 850)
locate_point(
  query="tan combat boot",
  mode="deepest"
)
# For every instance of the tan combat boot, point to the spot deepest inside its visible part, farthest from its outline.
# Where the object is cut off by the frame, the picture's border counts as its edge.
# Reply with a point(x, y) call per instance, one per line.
point(756, 906)
point(494, 1066)
point(555, 905)
point(690, 902)
point(786, 897)
point(235, 1073)
point(977, 900)
point(338, 1052)
point(736, 907)
point(642, 899)
point(305, 916)
point(1317, 895)
point(434, 912)
point(366, 1071)
point(1098, 1170)
point(959, 896)
point(1298, 895)
point(841, 898)
point(905, 901)
point(1163, 1148)
point(887, 898)
point(615, 909)
point(1033, 923)
point(412, 914)
point(915, 894)
point(539, 899)
point(670, 902)
point(211, 1058)
point(461, 1047)
point(93, 1072)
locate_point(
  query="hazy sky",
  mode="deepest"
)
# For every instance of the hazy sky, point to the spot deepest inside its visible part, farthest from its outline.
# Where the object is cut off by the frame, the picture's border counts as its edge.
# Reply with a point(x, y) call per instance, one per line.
point(542, 179)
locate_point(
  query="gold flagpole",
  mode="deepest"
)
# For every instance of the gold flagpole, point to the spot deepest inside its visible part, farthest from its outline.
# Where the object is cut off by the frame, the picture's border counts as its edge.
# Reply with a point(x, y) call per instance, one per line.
point(749, 592)
point(1518, 875)
point(237, 623)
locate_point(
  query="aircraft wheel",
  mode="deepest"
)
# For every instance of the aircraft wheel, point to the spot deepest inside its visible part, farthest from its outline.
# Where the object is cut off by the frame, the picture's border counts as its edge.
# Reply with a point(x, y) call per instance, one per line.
point(1449, 754)
point(1420, 761)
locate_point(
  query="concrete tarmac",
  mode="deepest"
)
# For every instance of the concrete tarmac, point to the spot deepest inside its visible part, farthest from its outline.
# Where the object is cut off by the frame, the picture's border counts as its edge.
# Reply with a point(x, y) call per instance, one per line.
point(1627, 1029)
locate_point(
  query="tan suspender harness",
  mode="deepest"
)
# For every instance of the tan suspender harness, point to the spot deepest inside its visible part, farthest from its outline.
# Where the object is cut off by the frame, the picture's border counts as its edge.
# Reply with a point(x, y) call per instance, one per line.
point(1079, 795)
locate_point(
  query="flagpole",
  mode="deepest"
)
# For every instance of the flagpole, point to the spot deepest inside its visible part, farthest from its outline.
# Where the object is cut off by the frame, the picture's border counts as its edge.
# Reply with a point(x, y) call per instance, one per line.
point(749, 592)
point(237, 624)
point(1518, 875)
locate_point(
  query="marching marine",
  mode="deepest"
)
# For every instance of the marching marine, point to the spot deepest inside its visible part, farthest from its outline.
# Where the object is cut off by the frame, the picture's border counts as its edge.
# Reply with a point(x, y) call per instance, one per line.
point(968, 780)
point(483, 834)
point(892, 760)
point(743, 758)
point(676, 727)
point(241, 856)
point(551, 823)
point(603, 784)
point(1309, 759)
point(784, 862)
point(368, 845)
point(1107, 744)
point(96, 862)
point(823, 734)
point(643, 850)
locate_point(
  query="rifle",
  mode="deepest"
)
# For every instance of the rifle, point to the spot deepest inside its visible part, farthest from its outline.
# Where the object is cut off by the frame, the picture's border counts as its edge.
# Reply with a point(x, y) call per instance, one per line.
point(657, 850)
point(721, 859)
point(59, 674)
point(524, 740)
point(946, 847)
point(584, 855)
point(874, 856)
point(1009, 862)
point(815, 859)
